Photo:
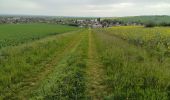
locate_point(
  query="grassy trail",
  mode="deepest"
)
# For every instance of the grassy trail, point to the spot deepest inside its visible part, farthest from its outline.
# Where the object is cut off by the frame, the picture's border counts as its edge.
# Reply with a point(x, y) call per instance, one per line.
point(67, 82)
point(95, 74)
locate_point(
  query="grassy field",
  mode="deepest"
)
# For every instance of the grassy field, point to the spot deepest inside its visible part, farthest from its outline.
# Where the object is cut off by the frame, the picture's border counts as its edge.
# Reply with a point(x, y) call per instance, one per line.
point(118, 63)
point(12, 34)
point(155, 40)
point(132, 73)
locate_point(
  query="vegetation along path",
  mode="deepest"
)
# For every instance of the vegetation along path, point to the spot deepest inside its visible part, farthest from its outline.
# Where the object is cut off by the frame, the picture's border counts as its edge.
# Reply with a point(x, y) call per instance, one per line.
point(48, 68)
point(31, 83)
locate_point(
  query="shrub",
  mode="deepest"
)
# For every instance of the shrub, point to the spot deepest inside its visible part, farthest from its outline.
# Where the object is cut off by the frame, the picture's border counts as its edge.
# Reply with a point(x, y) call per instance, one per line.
point(150, 24)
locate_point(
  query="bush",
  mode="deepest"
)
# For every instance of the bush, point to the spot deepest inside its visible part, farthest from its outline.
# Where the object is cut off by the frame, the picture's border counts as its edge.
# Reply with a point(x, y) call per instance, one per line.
point(150, 24)
point(165, 24)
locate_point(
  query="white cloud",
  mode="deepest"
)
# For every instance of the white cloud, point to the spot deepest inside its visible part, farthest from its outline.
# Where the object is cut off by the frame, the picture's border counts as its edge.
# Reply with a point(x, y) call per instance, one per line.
point(160, 6)
point(18, 4)
point(85, 7)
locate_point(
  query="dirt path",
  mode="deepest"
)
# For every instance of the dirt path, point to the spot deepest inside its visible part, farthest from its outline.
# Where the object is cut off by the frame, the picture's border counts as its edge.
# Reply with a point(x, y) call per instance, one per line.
point(33, 82)
point(95, 74)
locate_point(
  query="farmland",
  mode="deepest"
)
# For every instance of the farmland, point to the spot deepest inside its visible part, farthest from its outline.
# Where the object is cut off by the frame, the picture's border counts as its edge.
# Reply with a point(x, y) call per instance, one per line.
point(132, 71)
point(11, 34)
point(59, 62)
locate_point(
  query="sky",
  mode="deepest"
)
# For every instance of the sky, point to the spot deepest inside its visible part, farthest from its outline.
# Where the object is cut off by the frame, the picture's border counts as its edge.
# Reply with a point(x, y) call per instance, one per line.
point(85, 8)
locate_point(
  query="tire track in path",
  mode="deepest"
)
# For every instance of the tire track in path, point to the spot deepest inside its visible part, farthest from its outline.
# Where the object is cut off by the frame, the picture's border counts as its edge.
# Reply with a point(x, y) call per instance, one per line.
point(95, 74)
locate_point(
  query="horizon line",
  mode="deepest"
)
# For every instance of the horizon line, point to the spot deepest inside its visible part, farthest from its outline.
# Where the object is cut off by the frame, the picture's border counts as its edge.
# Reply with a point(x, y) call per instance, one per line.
point(78, 16)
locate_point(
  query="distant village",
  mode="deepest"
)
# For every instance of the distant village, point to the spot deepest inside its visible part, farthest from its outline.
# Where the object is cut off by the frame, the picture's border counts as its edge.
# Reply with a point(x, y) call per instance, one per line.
point(79, 22)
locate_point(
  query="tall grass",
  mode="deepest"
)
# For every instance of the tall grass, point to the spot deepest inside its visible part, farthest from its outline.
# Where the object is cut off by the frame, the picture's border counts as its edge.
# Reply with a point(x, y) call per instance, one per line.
point(155, 40)
point(131, 72)
point(24, 61)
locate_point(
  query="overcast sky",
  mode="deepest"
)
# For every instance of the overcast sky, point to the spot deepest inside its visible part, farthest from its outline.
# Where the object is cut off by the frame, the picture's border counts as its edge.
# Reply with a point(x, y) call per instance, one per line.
point(103, 8)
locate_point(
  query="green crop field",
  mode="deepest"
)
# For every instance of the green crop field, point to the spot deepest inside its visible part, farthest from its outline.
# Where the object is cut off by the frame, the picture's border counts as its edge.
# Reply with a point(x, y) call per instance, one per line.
point(22, 33)
point(58, 62)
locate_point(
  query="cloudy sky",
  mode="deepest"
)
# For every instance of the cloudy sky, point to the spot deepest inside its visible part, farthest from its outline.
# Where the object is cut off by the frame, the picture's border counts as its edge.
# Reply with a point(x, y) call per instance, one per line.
point(85, 8)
